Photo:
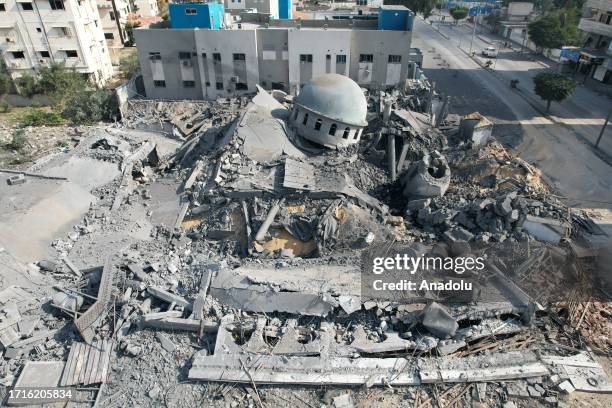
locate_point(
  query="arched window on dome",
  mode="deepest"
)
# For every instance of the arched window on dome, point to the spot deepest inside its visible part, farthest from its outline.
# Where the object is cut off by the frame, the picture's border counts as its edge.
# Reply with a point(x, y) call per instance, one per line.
point(305, 119)
point(295, 114)
point(347, 130)
point(318, 124)
point(332, 129)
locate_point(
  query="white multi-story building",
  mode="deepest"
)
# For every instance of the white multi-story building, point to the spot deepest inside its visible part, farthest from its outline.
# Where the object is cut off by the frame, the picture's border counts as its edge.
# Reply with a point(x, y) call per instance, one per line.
point(114, 17)
point(145, 8)
point(596, 23)
point(34, 33)
point(202, 63)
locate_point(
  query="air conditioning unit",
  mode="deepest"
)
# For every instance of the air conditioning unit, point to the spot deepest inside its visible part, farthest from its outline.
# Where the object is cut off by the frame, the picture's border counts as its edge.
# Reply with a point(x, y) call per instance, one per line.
point(187, 63)
point(10, 40)
point(234, 79)
point(155, 57)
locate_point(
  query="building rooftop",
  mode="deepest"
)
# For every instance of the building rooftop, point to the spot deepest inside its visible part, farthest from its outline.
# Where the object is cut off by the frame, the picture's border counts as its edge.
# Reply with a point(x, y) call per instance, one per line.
point(336, 97)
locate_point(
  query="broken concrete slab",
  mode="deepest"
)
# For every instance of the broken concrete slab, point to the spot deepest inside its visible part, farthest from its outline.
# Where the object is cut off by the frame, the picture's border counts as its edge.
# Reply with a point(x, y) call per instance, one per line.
point(438, 321)
point(429, 177)
point(168, 297)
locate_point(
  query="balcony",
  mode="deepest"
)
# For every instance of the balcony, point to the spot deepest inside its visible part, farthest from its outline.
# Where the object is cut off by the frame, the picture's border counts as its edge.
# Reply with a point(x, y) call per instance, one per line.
point(595, 27)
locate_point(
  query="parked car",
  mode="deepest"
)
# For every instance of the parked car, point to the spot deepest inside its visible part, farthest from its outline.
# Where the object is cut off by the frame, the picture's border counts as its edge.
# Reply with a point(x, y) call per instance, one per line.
point(490, 52)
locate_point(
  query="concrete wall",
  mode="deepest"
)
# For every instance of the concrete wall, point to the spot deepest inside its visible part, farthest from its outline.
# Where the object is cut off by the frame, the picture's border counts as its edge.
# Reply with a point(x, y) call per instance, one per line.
point(168, 43)
point(318, 43)
point(271, 58)
point(380, 44)
point(227, 43)
point(519, 10)
point(273, 55)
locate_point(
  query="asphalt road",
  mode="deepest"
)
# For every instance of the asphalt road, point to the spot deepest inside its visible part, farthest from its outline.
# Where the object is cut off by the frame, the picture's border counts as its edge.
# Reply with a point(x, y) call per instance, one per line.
point(561, 150)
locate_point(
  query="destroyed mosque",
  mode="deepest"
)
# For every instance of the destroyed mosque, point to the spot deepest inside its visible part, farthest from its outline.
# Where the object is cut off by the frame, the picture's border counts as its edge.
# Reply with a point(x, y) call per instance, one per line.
point(224, 253)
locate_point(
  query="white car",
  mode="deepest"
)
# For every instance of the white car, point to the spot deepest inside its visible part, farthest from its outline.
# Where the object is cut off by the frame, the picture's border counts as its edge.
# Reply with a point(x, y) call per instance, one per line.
point(490, 52)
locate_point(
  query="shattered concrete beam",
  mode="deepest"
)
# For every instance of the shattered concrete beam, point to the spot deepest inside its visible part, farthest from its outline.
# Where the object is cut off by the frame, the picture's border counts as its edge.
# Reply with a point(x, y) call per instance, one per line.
point(175, 323)
point(168, 297)
point(261, 233)
point(374, 371)
point(197, 169)
point(93, 317)
point(181, 215)
point(160, 315)
point(71, 266)
point(25, 173)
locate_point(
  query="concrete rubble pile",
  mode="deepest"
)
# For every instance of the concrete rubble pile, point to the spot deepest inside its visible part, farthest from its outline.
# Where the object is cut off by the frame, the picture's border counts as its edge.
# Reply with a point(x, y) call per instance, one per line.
point(226, 249)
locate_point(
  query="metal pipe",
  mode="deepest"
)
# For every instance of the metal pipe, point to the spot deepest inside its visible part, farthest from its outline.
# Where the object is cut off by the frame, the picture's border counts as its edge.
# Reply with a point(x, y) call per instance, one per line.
point(261, 232)
point(391, 156)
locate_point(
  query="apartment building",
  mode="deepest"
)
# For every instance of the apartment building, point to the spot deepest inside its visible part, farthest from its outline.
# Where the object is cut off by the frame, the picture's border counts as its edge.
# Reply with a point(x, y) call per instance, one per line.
point(276, 54)
point(270, 7)
point(145, 8)
point(596, 22)
point(35, 33)
point(114, 17)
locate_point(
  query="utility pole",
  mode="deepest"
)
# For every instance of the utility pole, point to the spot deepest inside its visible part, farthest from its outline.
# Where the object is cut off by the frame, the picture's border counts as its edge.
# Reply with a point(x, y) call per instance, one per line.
point(474, 31)
point(603, 128)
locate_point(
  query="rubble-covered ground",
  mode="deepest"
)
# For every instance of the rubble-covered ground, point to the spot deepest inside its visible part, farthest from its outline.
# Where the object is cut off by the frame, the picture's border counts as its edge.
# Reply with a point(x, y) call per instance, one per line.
point(161, 284)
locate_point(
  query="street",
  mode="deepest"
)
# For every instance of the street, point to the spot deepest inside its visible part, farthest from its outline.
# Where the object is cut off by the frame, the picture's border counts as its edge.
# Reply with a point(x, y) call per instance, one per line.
point(561, 145)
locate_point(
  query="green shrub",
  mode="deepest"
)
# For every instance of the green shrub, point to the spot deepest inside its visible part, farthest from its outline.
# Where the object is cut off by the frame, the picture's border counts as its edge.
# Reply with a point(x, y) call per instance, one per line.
point(18, 140)
point(27, 86)
point(90, 106)
point(5, 84)
point(5, 106)
point(41, 118)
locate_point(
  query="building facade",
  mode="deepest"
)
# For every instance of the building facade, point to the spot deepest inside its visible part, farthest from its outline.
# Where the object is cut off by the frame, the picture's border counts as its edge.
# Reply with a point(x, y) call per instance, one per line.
point(114, 16)
point(596, 23)
point(276, 54)
point(41, 32)
point(145, 8)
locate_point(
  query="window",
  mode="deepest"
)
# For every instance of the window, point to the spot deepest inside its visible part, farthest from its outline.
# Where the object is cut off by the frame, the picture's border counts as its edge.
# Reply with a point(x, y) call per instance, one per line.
point(305, 120)
point(159, 84)
point(306, 58)
point(189, 84)
point(366, 58)
point(109, 36)
point(340, 59)
point(241, 86)
point(111, 15)
point(38, 30)
point(216, 56)
point(204, 55)
point(219, 86)
point(26, 6)
point(64, 31)
point(207, 83)
point(356, 135)
point(239, 57)
point(318, 124)
point(45, 54)
point(71, 54)
point(155, 56)
point(345, 135)
point(395, 59)
point(57, 4)
point(184, 55)
point(18, 55)
point(332, 129)
point(295, 114)
point(2, 7)
point(328, 57)
point(191, 11)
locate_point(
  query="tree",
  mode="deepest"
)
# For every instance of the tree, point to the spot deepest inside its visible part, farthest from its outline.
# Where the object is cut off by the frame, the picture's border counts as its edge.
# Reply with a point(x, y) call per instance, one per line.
point(546, 32)
point(26, 85)
point(90, 106)
point(57, 81)
point(129, 65)
point(458, 13)
point(551, 86)
point(5, 84)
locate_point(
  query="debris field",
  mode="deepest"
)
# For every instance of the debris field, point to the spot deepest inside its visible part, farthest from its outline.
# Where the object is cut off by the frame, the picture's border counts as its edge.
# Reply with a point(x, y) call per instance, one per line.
point(204, 254)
